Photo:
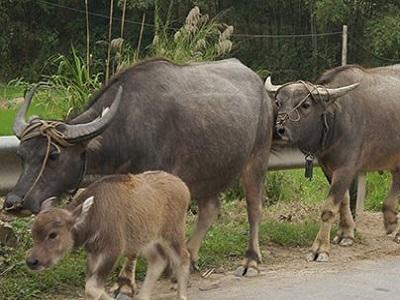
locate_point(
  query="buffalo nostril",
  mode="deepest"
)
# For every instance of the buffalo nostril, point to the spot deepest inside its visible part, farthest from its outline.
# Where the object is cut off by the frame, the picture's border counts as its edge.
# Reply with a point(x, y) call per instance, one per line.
point(8, 204)
point(32, 262)
point(281, 130)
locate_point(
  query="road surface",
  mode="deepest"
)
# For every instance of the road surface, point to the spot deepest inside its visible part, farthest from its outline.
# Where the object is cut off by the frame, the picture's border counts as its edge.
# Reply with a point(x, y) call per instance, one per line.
point(367, 279)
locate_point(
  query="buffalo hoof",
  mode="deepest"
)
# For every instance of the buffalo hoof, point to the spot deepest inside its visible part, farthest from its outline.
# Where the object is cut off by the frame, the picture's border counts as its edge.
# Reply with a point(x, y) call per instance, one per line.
point(194, 267)
point(318, 257)
point(247, 272)
point(397, 238)
point(390, 227)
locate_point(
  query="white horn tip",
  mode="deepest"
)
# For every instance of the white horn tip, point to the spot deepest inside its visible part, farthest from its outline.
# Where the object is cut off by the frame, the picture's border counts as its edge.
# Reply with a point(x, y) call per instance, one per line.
point(105, 110)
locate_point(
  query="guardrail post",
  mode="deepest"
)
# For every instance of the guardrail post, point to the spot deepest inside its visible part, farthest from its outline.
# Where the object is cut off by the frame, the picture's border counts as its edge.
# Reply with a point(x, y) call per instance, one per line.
point(358, 193)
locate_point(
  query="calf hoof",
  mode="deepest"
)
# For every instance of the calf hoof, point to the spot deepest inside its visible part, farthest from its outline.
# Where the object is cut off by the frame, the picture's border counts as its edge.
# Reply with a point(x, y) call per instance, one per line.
point(318, 257)
point(346, 242)
point(121, 296)
point(123, 290)
point(343, 241)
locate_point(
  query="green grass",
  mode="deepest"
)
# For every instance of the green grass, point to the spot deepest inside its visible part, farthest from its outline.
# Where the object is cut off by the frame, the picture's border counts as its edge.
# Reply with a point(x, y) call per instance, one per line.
point(378, 187)
point(44, 105)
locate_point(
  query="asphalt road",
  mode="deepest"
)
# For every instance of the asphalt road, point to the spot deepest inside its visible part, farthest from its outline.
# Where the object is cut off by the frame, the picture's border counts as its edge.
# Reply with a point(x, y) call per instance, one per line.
point(367, 279)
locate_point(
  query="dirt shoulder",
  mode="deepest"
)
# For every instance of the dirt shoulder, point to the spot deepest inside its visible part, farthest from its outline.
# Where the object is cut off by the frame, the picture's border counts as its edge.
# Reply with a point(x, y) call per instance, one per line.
point(283, 262)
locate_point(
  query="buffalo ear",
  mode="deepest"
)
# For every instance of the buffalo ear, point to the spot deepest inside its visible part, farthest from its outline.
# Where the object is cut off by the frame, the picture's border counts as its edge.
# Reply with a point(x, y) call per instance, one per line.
point(83, 211)
point(94, 144)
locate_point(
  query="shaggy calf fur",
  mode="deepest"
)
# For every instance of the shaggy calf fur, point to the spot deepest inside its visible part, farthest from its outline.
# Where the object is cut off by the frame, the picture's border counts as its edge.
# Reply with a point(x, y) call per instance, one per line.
point(126, 215)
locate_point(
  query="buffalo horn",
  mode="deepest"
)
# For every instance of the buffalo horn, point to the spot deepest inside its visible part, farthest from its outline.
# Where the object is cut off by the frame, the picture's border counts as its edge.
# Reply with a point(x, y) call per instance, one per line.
point(20, 122)
point(270, 87)
point(337, 92)
point(82, 132)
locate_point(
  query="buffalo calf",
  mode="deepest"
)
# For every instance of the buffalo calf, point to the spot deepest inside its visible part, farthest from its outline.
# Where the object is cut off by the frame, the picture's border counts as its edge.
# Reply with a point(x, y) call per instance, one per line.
point(123, 215)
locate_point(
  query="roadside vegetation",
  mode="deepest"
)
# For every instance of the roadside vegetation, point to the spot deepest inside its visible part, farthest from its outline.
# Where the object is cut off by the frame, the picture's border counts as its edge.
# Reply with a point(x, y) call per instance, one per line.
point(291, 215)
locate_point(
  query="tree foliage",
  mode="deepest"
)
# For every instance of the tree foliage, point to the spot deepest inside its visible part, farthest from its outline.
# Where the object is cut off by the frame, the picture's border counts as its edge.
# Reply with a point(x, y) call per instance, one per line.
point(34, 30)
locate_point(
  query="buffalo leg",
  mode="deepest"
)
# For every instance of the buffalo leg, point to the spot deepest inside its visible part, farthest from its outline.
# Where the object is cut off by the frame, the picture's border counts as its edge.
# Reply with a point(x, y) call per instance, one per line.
point(208, 211)
point(341, 180)
point(390, 204)
point(126, 279)
point(345, 234)
point(253, 177)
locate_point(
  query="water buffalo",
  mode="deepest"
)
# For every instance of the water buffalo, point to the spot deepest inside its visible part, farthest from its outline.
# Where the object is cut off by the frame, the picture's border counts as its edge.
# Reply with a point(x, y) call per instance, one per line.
point(207, 123)
point(350, 122)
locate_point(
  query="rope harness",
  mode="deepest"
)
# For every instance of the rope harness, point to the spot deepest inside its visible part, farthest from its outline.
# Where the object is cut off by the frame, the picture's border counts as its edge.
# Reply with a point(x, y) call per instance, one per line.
point(288, 115)
point(311, 88)
point(55, 138)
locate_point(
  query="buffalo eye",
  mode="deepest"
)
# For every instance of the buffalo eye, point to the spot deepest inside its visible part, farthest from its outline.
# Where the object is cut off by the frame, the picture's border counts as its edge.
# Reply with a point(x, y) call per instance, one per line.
point(54, 155)
point(52, 235)
point(306, 105)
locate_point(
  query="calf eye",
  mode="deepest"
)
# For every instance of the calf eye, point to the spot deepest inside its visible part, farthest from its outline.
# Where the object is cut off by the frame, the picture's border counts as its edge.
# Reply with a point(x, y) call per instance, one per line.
point(52, 236)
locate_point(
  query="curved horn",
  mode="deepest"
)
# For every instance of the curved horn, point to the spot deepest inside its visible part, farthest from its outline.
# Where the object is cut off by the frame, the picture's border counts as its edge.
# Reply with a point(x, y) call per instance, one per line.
point(20, 122)
point(270, 87)
point(337, 92)
point(81, 132)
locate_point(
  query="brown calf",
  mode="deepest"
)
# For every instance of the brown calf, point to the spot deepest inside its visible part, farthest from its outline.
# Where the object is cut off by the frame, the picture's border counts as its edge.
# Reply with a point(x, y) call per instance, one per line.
point(127, 215)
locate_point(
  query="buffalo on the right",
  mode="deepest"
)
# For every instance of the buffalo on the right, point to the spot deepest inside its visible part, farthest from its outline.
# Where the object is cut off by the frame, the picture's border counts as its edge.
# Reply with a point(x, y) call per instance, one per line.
point(350, 121)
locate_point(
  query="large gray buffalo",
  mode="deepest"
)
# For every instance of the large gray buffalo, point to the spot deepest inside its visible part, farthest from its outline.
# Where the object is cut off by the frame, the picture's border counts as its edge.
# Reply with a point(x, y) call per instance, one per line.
point(207, 123)
point(350, 121)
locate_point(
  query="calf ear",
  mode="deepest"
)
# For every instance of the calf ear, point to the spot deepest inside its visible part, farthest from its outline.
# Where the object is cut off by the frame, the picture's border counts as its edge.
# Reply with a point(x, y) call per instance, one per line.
point(47, 204)
point(84, 211)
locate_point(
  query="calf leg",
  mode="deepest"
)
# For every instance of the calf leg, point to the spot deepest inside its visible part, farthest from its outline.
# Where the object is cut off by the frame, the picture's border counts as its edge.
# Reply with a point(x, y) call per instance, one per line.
point(345, 234)
point(208, 211)
point(341, 181)
point(180, 260)
point(253, 181)
point(126, 279)
point(99, 267)
point(157, 261)
point(390, 204)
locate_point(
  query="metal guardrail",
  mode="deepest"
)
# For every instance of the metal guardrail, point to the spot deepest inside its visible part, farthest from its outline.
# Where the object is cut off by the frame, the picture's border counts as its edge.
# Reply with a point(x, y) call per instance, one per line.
point(283, 157)
point(10, 167)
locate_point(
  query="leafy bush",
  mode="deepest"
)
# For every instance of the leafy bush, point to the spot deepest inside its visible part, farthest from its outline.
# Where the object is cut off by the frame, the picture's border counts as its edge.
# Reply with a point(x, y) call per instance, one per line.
point(199, 39)
point(73, 83)
point(383, 34)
